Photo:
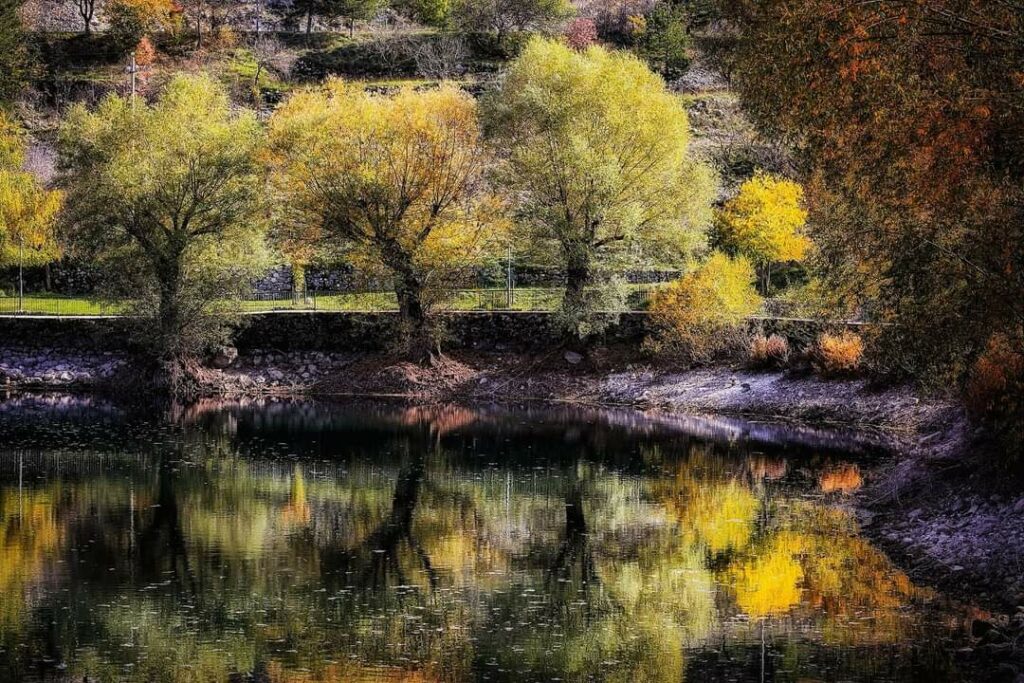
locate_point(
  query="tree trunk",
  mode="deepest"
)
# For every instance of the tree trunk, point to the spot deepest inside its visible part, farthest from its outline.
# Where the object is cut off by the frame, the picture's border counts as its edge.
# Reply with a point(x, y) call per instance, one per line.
point(174, 365)
point(578, 276)
point(298, 279)
point(309, 22)
point(421, 343)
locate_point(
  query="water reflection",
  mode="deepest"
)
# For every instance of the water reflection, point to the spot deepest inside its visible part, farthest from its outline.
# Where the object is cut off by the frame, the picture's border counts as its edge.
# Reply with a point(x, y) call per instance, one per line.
point(307, 542)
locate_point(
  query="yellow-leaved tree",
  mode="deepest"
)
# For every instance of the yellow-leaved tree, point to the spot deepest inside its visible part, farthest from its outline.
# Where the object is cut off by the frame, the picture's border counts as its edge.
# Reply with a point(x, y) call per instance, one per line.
point(597, 155)
point(765, 222)
point(395, 180)
point(28, 211)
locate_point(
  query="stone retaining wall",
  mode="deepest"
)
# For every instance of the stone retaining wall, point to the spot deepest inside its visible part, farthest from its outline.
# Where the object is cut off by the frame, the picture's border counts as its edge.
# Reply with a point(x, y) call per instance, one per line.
point(332, 331)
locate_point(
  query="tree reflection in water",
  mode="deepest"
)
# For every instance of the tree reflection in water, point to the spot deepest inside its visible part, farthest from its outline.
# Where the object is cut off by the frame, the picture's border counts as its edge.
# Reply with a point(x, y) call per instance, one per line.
point(299, 542)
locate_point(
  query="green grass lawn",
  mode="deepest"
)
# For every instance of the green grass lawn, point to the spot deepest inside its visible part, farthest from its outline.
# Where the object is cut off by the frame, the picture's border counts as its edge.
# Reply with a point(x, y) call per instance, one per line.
point(525, 299)
point(45, 304)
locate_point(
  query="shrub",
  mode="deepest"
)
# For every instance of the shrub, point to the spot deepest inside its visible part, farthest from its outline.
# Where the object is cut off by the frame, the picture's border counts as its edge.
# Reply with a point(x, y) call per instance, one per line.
point(995, 389)
point(701, 316)
point(836, 355)
point(130, 20)
point(581, 33)
point(769, 352)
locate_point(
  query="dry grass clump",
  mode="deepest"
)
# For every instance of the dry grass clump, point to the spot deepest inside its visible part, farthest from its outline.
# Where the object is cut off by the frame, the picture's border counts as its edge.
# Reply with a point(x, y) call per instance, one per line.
point(836, 355)
point(769, 352)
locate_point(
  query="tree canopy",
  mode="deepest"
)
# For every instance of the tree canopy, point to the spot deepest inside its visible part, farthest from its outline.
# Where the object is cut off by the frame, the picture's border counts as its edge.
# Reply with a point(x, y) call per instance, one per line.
point(908, 116)
point(597, 156)
point(765, 220)
point(28, 211)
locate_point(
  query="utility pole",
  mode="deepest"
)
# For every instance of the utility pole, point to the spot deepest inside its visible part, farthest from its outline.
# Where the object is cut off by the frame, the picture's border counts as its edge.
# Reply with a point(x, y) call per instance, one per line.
point(133, 69)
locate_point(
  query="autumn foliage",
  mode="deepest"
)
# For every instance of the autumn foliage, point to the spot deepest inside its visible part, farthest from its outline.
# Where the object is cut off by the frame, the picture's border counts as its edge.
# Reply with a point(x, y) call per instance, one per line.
point(771, 351)
point(907, 113)
point(28, 212)
point(836, 355)
point(701, 315)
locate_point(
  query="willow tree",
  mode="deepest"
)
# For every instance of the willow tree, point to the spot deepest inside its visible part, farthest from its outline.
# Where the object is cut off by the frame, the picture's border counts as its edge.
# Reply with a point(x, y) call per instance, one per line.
point(166, 196)
point(27, 210)
point(597, 156)
point(396, 180)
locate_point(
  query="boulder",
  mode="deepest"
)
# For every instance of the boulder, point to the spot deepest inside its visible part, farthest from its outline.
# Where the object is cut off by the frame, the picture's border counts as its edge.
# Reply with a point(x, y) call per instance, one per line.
point(224, 357)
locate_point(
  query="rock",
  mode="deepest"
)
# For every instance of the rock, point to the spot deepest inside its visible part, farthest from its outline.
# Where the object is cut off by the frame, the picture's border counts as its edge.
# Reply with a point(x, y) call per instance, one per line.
point(275, 374)
point(573, 358)
point(224, 357)
point(980, 627)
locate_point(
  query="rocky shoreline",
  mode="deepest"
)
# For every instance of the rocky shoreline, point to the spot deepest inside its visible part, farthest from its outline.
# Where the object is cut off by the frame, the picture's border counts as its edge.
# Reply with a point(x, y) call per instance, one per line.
point(942, 511)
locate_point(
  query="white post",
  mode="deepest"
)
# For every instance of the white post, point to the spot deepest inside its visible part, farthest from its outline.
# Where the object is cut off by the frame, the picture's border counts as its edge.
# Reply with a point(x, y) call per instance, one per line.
point(133, 69)
point(21, 273)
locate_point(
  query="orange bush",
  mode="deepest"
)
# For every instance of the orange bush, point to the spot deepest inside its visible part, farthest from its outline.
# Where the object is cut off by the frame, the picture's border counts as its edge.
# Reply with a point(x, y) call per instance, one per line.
point(770, 351)
point(995, 387)
point(838, 354)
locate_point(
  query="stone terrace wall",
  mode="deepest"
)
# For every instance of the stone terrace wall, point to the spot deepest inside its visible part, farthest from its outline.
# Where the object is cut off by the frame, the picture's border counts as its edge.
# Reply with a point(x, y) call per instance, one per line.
point(333, 331)
point(484, 330)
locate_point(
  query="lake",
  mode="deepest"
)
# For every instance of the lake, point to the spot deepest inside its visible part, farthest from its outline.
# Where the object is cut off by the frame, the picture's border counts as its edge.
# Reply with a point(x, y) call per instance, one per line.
point(307, 541)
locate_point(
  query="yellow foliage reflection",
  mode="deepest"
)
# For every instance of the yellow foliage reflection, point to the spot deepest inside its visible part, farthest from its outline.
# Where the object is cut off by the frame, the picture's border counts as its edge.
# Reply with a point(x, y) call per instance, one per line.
point(769, 583)
point(29, 533)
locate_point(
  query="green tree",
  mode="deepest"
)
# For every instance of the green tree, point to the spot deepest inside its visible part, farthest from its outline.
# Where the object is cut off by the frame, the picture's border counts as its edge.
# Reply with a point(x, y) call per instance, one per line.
point(167, 196)
point(665, 41)
point(353, 10)
point(13, 52)
point(504, 17)
point(597, 155)
point(397, 180)
point(431, 12)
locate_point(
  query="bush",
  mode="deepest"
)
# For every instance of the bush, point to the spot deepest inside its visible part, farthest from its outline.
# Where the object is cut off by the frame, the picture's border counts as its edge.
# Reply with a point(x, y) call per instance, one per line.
point(702, 315)
point(836, 355)
point(995, 389)
point(769, 352)
point(581, 33)
point(130, 20)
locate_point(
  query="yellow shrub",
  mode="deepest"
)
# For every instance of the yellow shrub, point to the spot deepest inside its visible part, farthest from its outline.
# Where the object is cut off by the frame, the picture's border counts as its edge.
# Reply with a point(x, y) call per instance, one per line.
point(770, 351)
point(838, 354)
point(702, 314)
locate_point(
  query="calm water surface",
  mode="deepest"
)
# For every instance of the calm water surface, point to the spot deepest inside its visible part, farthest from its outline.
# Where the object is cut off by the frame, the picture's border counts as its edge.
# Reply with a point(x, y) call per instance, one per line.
point(315, 542)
